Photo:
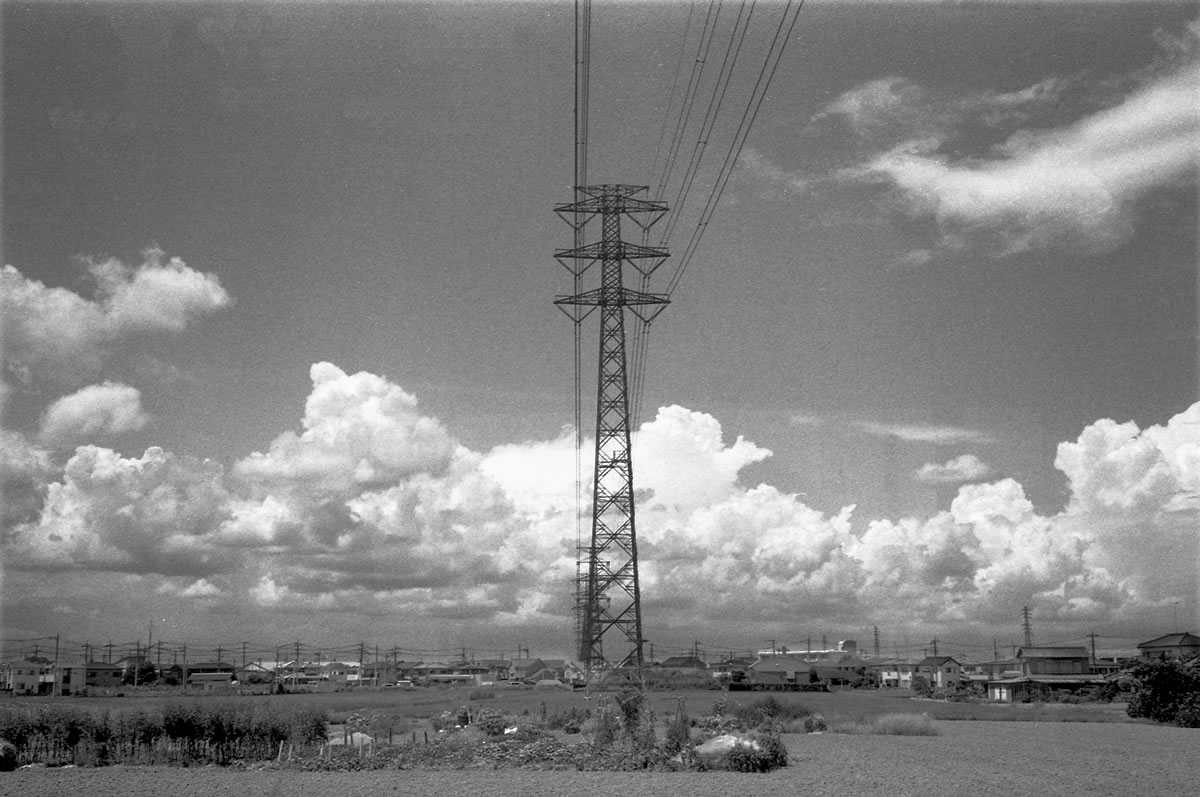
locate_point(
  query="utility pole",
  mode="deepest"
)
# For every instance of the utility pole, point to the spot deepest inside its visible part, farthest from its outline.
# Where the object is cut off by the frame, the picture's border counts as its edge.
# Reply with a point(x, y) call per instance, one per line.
point(876, 641)
point(934, 643)
point(1093, 636)
point(609, 594)
point(1027, 626)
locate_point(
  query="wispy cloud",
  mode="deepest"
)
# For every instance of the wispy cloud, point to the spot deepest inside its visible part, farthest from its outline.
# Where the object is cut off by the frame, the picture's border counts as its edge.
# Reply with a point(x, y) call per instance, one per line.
point(941, 435)
point(1051, 184)
point(805, 419)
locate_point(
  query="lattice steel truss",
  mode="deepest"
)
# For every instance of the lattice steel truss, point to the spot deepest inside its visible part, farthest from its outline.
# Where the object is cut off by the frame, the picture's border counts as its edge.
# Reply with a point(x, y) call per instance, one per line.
point(608, 594)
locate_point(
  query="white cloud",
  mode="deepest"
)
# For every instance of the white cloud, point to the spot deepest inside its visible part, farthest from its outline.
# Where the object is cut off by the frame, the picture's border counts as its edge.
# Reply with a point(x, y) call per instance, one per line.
point(360, 431)
point(915, 433)
point(56, 334)
point(683, 461)
point(96, 410)
point(438, 533)
point(964, 468)
point(805, 419)
point(1071, 186)
point(155, 296)
point(26, 471)
point(107, 512)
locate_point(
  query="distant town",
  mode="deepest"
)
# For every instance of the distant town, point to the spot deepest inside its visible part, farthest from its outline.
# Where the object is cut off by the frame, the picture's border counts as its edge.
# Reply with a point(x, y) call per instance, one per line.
point(1033, 672)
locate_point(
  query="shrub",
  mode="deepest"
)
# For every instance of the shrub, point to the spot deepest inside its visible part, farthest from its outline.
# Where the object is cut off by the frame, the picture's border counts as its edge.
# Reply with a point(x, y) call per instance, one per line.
point(1188, 712)
point(679, 732)
point(766, 754)
point(569, 721)
point(8, 756)
point(768, 710)
point(492, 722)
point(904, 725)
point(1162, 690)
point(814, 724)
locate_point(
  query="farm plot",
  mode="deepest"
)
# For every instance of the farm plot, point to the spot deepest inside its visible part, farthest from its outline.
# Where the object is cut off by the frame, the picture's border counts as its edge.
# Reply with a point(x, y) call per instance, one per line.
point(981, 758)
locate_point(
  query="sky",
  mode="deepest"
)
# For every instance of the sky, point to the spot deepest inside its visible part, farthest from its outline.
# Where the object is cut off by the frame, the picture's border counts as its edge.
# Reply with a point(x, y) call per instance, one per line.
point(281, 359)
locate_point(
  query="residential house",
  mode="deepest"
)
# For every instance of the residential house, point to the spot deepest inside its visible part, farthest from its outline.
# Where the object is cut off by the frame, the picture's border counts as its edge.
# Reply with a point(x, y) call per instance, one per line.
point(210, 680)
point(255, 673)
point(848, 671)
point(1180, 646)
point(497, 669)
point(558, 667)
point(983, 671)
point(780, 671)
point(683, 663)
point(525, 669)
point(131, 664)
point(341, 672)
point(1045, 671)
point(210, 674)
point(940, 672)
point(895, 673)
point(724, 670)
point(24, 676)
point(78, 678)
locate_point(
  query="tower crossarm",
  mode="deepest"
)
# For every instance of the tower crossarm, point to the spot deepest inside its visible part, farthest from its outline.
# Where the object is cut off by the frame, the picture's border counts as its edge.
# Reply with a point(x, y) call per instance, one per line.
point(606, 297)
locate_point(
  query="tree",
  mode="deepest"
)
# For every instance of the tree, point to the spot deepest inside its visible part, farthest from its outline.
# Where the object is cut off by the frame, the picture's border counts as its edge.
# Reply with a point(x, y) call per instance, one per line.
point(146, 674)
point(1164, 691)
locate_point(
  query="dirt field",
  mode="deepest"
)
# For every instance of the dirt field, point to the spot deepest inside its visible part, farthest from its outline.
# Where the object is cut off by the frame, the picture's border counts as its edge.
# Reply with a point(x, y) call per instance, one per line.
point(977, 758)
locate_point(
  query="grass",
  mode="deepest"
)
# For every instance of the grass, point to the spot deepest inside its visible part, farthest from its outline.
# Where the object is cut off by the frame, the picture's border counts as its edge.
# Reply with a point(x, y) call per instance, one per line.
point(889, 725)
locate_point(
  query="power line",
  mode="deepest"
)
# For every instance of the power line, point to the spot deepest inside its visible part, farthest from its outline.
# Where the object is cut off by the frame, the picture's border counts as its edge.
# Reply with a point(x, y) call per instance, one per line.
point(757, 94)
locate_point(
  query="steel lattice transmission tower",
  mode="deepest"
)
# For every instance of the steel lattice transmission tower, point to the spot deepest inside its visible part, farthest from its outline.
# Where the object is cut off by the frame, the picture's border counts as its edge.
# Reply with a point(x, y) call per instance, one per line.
point(608, 595)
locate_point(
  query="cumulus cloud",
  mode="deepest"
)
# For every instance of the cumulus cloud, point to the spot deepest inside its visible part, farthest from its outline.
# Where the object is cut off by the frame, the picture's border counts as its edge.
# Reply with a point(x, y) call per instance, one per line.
point(96, 410)
point(373, 511)
point(1133, 495)
point(1007, 172)
point(915, 433)
point(55, 333)
point(26, 471)
point(107, 512)
point(684, 462)
point(359, 431)
point(965, 468)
